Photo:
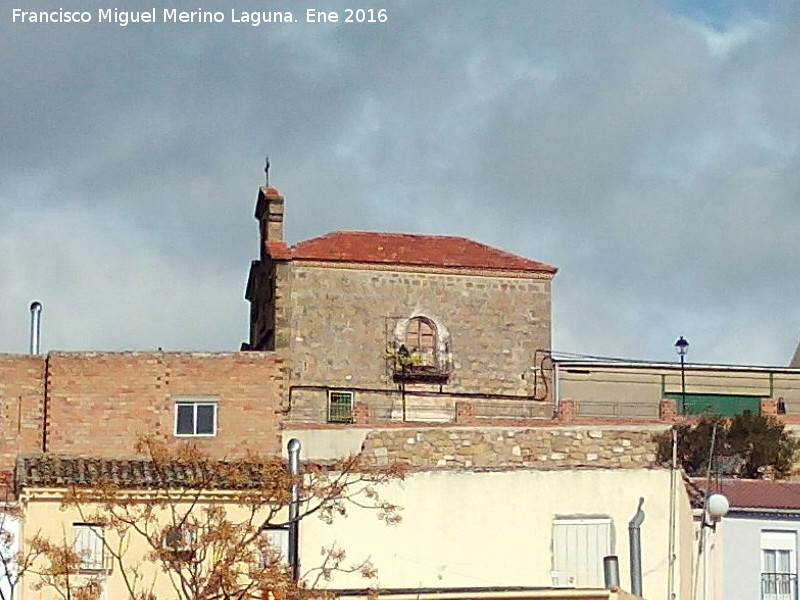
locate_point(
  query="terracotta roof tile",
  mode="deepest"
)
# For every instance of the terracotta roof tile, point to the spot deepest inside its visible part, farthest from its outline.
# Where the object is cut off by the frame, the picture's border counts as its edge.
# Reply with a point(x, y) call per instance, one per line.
point(412, 250)
point(52, 470)
point(756, 493)
point(278, 250)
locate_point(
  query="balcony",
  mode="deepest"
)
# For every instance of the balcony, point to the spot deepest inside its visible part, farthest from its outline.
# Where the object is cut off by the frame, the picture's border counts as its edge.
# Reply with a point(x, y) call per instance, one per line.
point(778, 586)
point(420, 374)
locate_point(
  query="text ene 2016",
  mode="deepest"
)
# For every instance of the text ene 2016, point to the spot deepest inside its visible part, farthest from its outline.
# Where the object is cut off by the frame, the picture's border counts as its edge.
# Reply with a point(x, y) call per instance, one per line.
point(351, 15)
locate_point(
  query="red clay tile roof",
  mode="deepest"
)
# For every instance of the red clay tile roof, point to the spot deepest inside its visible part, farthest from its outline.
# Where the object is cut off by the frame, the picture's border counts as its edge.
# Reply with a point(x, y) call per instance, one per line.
point(53, 470)
point(278, 250)
point(412, 250)
point(756, 493)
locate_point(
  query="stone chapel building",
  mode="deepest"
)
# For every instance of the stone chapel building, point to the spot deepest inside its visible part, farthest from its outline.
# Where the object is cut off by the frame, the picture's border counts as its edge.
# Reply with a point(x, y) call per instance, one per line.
point(402, 325)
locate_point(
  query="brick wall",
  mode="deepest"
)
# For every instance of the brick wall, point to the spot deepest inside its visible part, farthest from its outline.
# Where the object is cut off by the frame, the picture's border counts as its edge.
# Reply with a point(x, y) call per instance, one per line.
point(100, 403)
point(21, 393)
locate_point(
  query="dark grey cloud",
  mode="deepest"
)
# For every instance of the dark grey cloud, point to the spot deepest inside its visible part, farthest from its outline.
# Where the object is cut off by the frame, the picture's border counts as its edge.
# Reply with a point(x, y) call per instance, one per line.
point(649, 149)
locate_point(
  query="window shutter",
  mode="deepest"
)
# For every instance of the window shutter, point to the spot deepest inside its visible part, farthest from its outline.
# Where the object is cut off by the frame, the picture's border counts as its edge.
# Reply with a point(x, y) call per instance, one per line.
point(579, 546)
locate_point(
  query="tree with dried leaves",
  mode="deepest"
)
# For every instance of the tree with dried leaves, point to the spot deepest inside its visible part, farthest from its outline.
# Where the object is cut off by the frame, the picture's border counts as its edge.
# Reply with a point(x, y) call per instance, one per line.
point(13, 562)
point(748, 445)
point(180, 525)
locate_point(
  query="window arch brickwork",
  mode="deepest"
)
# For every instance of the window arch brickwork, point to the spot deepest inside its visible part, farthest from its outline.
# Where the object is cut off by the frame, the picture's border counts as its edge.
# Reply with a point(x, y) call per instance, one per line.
point(422, 348)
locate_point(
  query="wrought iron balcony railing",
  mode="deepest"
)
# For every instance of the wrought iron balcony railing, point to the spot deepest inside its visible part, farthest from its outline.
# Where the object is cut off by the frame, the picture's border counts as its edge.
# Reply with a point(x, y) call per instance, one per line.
point(778, 586)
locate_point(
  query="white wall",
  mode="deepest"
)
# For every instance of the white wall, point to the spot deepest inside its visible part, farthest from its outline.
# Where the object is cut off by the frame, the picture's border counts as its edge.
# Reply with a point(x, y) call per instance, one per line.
point(741, 552)
point(495, 528)
point(325, 444)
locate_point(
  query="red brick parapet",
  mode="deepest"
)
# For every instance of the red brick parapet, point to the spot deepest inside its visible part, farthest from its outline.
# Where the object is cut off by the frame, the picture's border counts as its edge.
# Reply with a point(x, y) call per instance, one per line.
point(566, 411)
point(361, 413)
point(668, 410)
point(769, 406)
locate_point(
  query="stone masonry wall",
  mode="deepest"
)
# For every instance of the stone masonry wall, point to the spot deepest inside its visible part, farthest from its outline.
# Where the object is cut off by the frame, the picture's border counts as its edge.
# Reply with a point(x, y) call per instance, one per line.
point(502, 448)
point(342, 318)
point(101, 403)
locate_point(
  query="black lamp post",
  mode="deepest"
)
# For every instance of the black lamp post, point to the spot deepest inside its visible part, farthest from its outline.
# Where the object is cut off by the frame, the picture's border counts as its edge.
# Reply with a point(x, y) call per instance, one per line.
point(682, 347)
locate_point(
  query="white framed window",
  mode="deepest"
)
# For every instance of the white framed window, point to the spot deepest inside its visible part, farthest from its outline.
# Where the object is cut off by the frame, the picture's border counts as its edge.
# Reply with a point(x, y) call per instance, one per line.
point(778, 565)
point(340, 406)
point(274, 545)
point(88, 542)
point(196, 416)
point(579, 545)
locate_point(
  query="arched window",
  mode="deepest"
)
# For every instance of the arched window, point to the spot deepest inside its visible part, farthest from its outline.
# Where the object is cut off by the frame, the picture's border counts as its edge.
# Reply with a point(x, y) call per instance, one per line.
point(422, 347)
point(421, 341)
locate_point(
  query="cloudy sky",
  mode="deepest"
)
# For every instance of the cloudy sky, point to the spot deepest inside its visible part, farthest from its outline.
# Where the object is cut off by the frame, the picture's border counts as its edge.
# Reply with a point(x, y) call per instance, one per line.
point(647, 148)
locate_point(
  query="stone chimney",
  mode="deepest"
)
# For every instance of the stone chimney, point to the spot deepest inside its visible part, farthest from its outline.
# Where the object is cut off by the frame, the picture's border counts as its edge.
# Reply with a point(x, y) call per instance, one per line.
point(269, 212)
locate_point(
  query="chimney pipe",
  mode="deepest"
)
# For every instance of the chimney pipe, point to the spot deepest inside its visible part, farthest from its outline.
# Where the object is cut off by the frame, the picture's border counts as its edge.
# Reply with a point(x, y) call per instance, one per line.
point(611, 572)
point(36, 321)
point(635, 536)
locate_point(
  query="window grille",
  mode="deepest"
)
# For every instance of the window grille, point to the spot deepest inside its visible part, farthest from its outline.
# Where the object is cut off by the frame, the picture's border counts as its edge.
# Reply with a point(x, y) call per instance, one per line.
point(340, 407)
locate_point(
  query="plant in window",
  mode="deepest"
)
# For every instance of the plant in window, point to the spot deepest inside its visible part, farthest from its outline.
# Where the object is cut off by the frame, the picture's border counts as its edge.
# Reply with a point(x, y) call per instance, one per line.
point(402, 357)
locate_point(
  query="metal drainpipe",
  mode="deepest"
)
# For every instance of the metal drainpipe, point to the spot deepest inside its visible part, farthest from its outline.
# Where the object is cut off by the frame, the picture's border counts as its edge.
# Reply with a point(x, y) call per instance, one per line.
point(556, 388)
point(634, 534)
point(36, 321)
point(294, 508)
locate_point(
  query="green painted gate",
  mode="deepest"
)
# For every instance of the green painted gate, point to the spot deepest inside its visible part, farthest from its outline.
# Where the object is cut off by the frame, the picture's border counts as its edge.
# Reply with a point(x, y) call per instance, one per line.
point(725, 405)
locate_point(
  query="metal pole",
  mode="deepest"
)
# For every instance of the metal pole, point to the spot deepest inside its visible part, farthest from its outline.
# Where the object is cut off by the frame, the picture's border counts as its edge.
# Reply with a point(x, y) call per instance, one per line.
point(403, 389)
point(634, 534)
point(673, 472)
point(294, 507)
point(683, 387)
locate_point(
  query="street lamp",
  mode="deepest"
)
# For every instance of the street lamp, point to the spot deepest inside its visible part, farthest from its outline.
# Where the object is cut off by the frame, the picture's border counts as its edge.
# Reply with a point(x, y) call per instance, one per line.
point(717, 506)
point(682, 347)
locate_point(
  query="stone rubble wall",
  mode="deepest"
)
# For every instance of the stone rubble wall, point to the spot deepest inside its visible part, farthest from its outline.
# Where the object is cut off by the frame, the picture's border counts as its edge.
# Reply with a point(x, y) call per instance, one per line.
point(339, 322)
point(502, 448)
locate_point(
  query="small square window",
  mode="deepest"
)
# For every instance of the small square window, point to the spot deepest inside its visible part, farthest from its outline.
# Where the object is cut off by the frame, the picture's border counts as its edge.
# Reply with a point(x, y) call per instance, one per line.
point(340, 407)
point(179, 539)
point(88, 542)
point(181, 543)
point(196, 418)
point(274, 545)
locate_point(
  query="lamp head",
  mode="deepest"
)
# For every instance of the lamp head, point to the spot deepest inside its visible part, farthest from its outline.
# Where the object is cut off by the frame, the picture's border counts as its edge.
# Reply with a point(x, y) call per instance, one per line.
point(717, 506)
point(681, 346)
